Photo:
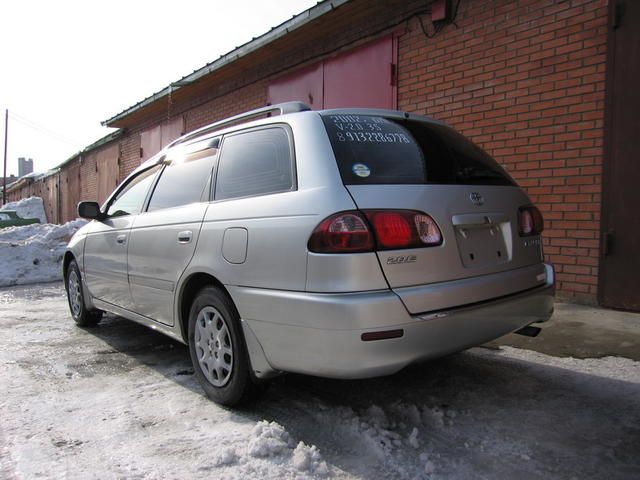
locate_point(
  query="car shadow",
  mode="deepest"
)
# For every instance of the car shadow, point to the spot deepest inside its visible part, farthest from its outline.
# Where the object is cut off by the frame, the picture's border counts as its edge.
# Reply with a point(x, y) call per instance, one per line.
point(475, 413)
point(147, 347)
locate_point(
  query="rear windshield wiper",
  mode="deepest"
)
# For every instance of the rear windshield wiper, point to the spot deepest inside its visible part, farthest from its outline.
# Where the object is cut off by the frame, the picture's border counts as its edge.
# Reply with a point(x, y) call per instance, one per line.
point(477, 173)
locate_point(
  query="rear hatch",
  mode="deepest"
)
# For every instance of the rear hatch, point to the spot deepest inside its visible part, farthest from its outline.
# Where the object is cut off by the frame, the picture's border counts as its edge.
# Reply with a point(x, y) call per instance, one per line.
point(400, 163)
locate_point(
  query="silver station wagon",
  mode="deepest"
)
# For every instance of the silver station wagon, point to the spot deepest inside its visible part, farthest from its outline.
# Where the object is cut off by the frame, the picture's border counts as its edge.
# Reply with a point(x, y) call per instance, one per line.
point(338, 243)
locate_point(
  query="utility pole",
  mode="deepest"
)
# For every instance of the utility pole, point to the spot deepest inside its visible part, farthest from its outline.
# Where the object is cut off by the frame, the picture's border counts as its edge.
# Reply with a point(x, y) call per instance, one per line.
point(4, 178)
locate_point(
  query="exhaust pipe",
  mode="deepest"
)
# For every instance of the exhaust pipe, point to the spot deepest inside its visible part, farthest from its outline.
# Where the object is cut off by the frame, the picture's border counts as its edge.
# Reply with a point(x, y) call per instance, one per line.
point(529, 331)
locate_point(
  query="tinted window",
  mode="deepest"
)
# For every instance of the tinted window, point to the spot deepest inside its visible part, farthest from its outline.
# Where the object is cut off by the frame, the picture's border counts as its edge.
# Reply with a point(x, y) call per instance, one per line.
point(130, 199)
point(255, 163)
point(183, 180)
point(376, 150)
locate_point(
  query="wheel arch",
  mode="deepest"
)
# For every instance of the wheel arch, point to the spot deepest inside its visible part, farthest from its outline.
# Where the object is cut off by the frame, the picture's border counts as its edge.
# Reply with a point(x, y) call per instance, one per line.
point(190, 288)
point(68, 257)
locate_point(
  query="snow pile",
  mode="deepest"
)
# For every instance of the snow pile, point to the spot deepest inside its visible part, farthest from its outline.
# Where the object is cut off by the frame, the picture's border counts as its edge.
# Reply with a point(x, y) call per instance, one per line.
point(33, 253)
point(397, 437)
point(227, 456)
point(308, 459)
point(268, 439)
point(269, 451)
point(31, 207)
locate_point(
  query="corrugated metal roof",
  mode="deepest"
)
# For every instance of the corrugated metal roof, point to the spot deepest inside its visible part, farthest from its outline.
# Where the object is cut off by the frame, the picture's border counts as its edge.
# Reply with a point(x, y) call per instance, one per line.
point(275, 33)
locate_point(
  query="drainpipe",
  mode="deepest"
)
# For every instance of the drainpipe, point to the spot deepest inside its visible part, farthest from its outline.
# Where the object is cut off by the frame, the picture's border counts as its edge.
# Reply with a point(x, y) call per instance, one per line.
point(4, 179)
point(59, 212)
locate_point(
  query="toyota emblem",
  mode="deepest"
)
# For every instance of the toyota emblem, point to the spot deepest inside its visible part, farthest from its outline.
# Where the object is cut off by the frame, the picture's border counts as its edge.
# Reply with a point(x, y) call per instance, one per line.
point(476, 198)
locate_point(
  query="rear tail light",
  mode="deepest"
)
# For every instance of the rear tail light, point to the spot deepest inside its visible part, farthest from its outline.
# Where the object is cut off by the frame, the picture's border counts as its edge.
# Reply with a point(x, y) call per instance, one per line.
point(345, 232)
point(396, 229)
point(530, 221)
point(356, 232)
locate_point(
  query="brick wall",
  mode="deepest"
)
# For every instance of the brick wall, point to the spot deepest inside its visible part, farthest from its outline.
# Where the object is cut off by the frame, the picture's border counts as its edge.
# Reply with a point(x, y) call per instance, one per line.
point(525, 80)
point(246, 98)
point(88, 178)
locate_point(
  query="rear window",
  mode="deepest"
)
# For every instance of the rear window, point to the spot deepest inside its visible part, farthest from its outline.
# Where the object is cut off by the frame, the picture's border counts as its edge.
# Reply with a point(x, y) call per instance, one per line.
point(372, 150)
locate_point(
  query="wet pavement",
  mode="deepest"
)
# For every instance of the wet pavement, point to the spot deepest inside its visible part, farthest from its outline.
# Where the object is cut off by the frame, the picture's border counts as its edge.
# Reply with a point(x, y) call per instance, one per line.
point(582, 331)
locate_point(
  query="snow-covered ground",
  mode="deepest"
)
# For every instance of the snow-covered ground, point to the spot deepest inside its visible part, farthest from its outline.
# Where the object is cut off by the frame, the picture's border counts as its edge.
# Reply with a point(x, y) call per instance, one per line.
point(31, 207)
point(33, 253)
point(120, 401)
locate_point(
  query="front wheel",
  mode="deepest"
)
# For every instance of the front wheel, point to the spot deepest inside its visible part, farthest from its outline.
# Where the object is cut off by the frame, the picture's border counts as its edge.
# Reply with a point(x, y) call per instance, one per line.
point(218, 352)
point(75, 295)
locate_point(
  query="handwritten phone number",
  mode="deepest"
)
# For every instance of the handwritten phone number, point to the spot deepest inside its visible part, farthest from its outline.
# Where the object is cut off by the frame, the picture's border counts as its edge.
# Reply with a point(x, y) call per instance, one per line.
point(372, 137)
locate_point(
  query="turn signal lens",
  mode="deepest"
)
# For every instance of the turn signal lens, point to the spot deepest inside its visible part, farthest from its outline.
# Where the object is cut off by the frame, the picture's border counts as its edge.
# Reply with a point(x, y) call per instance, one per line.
point(428, 231)
point(530, 221)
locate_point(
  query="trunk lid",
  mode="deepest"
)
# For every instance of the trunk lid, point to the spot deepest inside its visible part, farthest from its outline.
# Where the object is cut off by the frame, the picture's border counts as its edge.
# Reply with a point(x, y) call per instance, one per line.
point(477, 239)
point(400, 161)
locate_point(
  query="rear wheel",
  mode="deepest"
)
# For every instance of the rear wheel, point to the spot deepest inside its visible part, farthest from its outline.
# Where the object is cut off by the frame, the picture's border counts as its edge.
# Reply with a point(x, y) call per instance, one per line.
point(81, 315)
point(218, 351)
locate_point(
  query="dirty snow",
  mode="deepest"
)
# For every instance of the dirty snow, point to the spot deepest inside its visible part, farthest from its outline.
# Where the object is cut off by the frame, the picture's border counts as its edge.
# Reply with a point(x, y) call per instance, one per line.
point(618, 368)
point(268, 439)
point(121, 401)
point(33, 253)
point(308, 459)
point(31, 207)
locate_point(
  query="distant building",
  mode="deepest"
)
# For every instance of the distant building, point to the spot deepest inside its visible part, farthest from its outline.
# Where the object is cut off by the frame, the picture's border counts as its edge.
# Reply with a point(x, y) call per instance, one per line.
point(10, 179)
point(25, 166)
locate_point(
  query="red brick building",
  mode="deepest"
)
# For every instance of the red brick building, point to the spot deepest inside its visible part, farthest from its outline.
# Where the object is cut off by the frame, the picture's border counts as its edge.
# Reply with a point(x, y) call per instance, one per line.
point(540, 84)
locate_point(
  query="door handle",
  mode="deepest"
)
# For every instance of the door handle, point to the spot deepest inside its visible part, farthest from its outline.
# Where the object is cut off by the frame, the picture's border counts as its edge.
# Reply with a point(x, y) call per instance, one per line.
point(121, 239)
point(185, 236)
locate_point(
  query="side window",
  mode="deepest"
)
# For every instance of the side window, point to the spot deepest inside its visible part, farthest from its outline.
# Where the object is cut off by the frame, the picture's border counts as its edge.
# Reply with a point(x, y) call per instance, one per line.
point(130, 199)
point(258, 162)
point(183, 180)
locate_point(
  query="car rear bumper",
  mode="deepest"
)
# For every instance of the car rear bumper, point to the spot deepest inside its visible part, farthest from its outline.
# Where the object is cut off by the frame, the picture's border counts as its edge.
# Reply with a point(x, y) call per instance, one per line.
point(321, 334)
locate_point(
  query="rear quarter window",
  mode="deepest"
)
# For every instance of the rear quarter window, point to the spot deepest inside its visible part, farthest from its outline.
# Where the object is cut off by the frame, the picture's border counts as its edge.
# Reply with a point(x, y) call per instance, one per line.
point(256, 162)
point(373, 150)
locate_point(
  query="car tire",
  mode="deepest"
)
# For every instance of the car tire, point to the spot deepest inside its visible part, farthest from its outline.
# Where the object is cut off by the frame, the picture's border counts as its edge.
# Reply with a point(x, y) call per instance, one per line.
point(218, 350)
point(75, 295)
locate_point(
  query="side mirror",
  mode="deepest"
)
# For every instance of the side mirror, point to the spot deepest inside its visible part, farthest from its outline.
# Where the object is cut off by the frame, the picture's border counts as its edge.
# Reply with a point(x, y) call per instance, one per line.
point(89, 210)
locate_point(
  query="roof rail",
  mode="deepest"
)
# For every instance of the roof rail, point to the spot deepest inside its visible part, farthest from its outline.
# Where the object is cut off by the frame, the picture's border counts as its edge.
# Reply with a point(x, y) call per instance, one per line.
point(280, 109)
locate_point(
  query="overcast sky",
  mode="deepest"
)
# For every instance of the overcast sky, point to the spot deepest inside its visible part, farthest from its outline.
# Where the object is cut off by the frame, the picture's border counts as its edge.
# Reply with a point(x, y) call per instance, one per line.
point(67, 65)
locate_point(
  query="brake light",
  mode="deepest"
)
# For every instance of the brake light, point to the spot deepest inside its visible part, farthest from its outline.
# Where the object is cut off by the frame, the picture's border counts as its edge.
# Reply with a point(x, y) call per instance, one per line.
point(396, 229)
point(345, 232)
point(356, 232)
point(392, 229)
point(530, 221)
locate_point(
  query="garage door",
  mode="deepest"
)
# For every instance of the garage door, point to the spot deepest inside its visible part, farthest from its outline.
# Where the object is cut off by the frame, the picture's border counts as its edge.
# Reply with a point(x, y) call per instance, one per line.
point(362, 77)
point(620, 262)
